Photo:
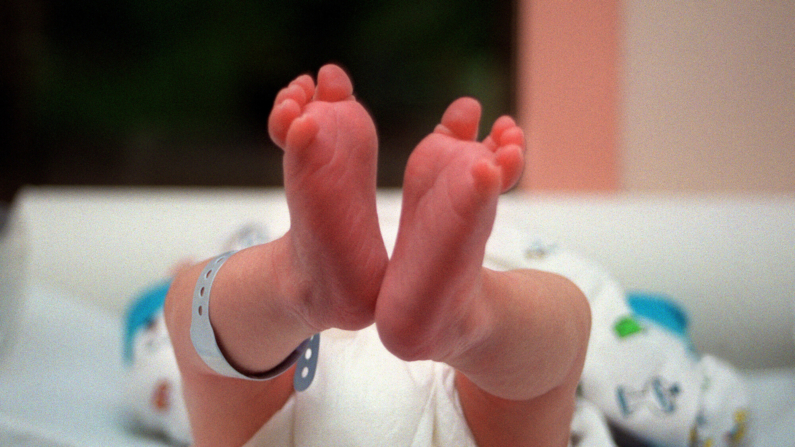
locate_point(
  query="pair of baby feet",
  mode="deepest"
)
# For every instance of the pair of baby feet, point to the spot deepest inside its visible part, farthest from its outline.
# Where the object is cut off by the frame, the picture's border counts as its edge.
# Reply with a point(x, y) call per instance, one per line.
point(428, 294)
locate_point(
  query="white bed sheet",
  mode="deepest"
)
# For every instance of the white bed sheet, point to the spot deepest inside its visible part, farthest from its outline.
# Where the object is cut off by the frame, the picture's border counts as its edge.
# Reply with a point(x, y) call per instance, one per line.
point(773, 406)
point(61, 385)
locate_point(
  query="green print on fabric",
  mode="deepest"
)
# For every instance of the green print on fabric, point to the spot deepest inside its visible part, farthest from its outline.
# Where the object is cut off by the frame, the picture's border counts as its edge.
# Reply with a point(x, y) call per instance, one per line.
point(626, 326)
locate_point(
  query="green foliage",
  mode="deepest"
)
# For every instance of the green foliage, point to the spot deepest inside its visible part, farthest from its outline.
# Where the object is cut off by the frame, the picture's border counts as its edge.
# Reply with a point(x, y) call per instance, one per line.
point(212, 66)
point(136, 90)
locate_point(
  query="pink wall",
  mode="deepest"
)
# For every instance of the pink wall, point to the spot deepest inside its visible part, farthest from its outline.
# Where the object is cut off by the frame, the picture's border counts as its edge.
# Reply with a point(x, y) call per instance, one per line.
point(657, 96)
point(708, 96)
point(567, 66)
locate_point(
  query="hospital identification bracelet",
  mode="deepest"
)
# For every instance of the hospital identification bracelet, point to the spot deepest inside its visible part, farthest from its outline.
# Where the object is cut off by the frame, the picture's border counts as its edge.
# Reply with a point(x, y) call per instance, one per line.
point(206, 345)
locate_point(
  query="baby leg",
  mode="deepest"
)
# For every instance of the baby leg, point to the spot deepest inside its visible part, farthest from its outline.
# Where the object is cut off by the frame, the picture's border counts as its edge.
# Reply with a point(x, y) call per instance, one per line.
point(324, 272)
point(517, 339)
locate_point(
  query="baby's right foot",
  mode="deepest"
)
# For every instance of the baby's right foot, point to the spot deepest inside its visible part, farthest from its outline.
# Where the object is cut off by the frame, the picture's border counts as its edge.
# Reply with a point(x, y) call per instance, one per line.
point(330, 162)
point(431, 305)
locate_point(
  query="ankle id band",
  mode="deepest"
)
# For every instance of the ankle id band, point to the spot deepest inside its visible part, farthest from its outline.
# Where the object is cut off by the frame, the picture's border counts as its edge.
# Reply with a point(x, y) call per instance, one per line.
point(206, 345)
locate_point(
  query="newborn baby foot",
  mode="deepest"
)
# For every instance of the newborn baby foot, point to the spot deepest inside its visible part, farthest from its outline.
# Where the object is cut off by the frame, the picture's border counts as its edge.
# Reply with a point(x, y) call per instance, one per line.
point(428, 307)
point(330, 161)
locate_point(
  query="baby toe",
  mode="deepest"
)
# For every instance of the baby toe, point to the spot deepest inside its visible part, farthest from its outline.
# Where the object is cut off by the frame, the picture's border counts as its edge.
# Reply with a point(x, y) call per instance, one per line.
point(512, 136)
point(461, 119)
point(301, 132)
point(505, 132)
point(333, 84)
point(307, 84)
point(510, 158)
point(281, 117)
point(293, 92)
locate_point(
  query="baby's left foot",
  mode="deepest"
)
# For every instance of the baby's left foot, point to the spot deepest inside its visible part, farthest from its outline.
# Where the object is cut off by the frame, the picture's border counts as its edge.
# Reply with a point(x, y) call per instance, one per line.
point(330, 158)
point(429, 306)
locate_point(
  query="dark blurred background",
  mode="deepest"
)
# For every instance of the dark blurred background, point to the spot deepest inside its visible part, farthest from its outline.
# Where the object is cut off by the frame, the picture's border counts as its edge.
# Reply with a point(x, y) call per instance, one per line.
point(147, 92)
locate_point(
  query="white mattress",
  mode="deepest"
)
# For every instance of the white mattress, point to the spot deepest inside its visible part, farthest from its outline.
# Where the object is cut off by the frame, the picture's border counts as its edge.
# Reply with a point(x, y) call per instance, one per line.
point(61, 385)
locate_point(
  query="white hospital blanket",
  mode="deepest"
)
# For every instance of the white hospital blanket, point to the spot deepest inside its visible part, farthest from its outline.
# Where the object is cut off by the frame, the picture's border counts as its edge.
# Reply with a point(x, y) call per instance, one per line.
point(773, 406)
point(61, 385)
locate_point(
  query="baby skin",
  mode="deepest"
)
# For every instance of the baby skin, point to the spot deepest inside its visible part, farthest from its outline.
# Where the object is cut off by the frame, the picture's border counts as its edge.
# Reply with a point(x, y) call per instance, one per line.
point(516, 339)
